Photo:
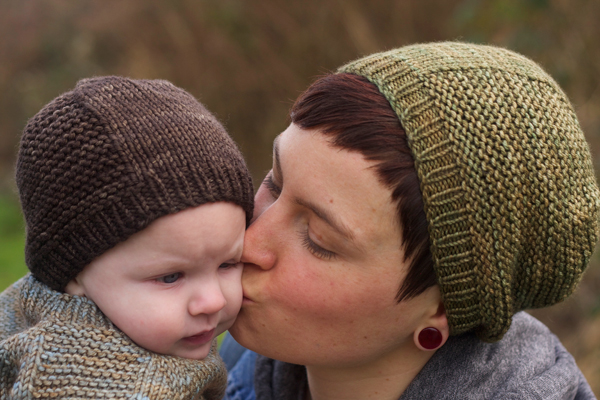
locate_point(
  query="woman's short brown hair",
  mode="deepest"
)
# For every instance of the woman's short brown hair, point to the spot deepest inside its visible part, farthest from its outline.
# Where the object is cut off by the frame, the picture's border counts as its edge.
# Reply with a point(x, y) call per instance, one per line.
point(357, 117)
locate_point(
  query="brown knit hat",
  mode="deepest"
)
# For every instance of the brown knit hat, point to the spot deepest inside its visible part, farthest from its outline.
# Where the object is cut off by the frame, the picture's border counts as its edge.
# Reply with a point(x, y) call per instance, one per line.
point(101, 162)
point(508, 184)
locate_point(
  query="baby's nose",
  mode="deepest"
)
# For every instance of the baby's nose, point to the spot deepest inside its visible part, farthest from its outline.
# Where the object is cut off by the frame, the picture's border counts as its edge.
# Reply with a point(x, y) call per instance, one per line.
point(208, 300)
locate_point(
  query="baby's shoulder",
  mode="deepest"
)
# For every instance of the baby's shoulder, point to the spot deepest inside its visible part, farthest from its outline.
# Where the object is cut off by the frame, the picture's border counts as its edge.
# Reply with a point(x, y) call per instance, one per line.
point(12, 319)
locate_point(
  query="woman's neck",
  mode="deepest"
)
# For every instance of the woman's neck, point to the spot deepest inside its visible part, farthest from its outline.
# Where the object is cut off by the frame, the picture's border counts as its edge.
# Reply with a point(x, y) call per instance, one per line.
point(382, 379)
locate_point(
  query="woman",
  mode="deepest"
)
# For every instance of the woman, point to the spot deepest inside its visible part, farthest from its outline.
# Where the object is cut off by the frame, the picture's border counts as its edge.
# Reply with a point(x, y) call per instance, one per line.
point(420, 198)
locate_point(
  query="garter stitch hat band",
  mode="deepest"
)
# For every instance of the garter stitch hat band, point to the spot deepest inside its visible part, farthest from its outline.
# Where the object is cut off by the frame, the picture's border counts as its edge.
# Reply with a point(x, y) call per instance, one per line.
point(506, 176)
point(101, 162)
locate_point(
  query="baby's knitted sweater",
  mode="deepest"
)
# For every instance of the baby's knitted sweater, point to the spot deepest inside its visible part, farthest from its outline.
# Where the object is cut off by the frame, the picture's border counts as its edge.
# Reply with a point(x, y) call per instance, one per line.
point(54, 345)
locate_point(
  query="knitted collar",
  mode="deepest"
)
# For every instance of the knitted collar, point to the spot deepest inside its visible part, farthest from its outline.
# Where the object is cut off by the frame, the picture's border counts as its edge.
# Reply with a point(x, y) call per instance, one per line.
point(38, 302)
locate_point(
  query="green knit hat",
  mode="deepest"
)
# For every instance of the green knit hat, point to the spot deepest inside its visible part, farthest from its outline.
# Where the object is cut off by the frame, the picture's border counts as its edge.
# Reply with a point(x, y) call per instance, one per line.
point(506, 176)
point(101, 162)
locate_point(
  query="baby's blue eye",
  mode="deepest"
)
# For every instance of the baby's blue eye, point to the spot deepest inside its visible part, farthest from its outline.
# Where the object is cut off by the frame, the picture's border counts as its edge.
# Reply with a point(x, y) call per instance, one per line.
point(226, 265)
point(171, 278)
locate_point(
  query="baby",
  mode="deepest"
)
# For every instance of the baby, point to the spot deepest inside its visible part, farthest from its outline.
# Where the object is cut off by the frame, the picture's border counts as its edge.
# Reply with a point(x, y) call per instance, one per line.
point(136, 201)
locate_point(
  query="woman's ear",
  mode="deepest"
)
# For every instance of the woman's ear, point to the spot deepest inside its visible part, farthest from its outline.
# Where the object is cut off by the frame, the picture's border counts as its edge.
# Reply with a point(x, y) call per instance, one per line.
point(74, 287)
point(434, 331)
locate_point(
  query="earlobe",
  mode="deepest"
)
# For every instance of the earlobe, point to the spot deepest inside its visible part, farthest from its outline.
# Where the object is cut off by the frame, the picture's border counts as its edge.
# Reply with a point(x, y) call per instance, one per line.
point(75, 288)
point(433, 333)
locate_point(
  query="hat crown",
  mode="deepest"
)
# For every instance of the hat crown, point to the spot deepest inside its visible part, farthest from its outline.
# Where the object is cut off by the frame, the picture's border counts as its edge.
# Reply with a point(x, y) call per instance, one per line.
point(104, 160)
point(506, 176)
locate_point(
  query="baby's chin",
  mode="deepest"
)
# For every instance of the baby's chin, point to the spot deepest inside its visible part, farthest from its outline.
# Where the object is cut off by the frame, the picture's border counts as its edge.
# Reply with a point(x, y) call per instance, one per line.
point(198, 353)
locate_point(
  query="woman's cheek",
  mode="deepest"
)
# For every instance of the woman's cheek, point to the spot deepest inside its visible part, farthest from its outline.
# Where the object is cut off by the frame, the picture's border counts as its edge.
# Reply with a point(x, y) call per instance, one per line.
point(318, 290)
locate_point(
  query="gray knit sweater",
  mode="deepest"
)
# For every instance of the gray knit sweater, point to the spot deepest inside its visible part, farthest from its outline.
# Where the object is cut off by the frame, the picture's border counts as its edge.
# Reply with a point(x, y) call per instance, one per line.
point(528, 363)
point(54, 345)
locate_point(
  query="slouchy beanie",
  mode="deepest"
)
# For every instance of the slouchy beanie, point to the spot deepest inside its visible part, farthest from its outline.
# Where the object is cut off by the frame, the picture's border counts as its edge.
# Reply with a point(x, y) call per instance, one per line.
point(506, 175)
point(101, 162)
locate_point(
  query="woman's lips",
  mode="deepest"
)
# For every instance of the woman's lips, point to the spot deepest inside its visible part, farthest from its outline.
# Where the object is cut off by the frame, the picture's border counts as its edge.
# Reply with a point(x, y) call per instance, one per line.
point(246, 299)
point(201, 338)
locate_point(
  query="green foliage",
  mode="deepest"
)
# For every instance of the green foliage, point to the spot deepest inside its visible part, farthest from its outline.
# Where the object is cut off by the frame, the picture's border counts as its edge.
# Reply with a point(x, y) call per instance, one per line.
point(12, 242)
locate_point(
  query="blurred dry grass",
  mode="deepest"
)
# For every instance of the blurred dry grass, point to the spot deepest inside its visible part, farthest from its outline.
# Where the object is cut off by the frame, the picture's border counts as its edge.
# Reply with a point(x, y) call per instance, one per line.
point(247, 61)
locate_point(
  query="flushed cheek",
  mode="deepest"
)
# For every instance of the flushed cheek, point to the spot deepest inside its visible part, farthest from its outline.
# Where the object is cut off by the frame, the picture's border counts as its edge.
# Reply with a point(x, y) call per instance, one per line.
point(227, 317)
point(350, 321)
point(232, 290)
point(321, 299)
point(232, 308)
point(156, 328)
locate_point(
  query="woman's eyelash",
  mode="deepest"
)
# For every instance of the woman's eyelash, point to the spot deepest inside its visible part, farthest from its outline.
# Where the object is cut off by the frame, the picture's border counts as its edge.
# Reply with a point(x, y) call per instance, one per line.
point(307, 242)
point(315, 248)
point(271, 186)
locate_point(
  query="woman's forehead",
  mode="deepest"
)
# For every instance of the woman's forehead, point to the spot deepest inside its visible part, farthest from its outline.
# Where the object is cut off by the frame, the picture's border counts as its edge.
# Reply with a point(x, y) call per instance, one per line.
point(335, 183)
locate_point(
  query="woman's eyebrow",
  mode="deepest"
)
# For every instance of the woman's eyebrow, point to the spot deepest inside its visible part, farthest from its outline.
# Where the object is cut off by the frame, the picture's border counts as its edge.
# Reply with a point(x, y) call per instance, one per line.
point(329, 218)
point(324, 215)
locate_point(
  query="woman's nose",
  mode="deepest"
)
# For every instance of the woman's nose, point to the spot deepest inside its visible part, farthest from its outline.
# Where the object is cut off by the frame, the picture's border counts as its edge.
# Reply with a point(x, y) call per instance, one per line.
point(260, 240)
point(263, 199)
point(208, 299)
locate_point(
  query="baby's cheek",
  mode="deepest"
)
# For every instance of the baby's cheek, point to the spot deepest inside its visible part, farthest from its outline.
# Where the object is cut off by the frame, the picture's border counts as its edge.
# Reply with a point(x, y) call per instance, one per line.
point(231, 310)
point(232, 289)
point(155, 328)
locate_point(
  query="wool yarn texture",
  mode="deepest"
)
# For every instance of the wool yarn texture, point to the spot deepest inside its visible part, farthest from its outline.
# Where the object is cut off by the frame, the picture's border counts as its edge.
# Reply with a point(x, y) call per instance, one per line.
point(506, 175)
point(101, 162)
point(54, 345)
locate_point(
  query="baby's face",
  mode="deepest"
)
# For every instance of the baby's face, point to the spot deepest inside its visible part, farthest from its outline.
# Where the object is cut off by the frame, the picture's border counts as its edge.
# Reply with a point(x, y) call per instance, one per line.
point(175, 285)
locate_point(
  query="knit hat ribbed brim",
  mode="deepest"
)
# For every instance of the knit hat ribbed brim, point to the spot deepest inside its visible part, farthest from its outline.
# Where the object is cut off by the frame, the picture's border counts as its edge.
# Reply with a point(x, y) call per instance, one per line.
point(506, 176)
point(103, 161)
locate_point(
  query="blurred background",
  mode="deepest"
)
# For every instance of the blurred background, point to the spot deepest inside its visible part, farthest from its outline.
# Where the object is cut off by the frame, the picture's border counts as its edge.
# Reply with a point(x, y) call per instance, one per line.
point(248, 60)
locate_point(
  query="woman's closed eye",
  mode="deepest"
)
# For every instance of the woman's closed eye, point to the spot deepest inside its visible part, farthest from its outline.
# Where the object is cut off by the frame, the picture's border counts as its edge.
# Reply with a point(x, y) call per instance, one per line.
point(314, 248)
point(171, 278)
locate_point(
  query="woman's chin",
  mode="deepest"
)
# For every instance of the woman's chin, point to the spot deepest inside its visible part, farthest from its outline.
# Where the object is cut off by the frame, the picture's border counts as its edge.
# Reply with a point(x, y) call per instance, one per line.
point(249, 334)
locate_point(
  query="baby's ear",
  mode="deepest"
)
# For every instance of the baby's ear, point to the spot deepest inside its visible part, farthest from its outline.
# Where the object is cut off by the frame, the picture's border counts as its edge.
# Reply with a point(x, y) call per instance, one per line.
point(75, 288)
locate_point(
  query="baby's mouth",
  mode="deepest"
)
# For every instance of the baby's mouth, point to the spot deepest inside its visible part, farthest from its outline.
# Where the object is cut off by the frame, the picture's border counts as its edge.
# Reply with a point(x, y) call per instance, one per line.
point(200, 338)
